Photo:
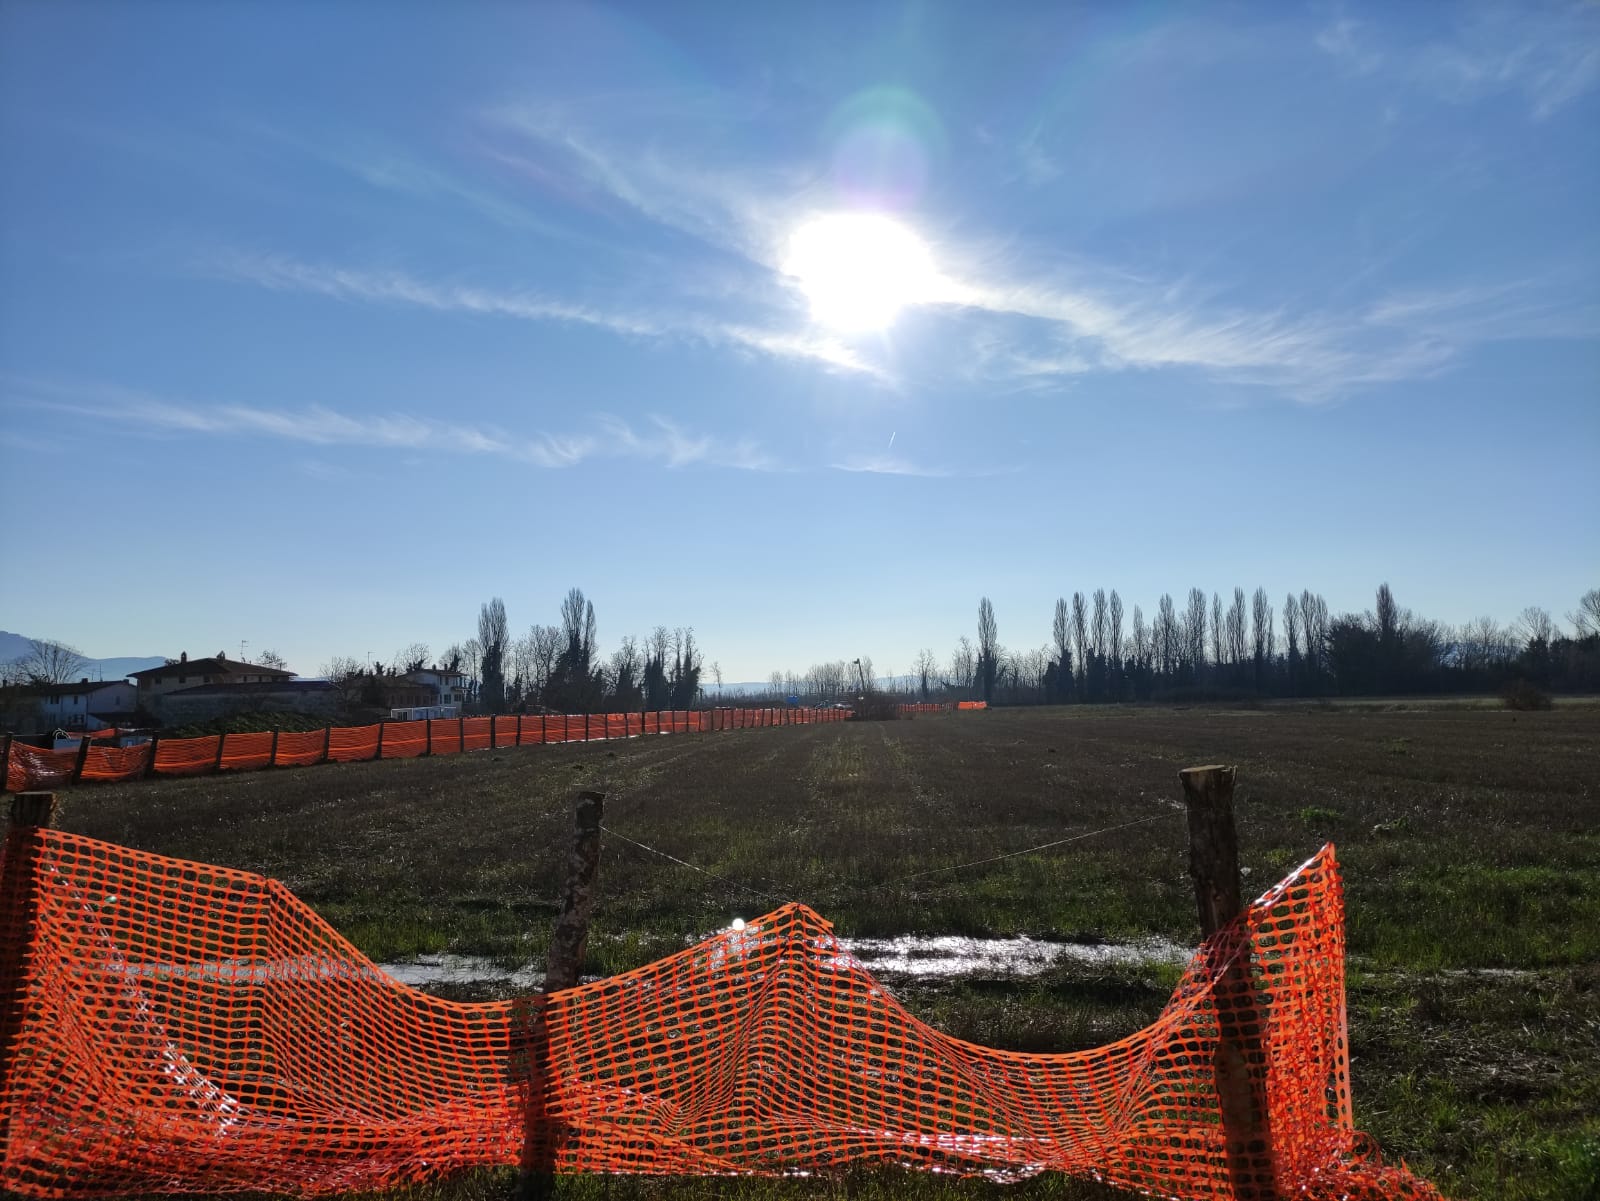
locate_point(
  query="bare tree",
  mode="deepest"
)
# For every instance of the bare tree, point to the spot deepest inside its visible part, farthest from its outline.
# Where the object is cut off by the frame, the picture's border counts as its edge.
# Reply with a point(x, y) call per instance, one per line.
point(1115, 647)
point(716, 674)
point(472, 666)
point(1080, 635)
point(1536, 625)
point(963, 665)
point(1141, 640)
point(347, 674)
point(1585, 618)
point(1217, 637)
point(1484, 643)
point(414, 657)
point(1265, 641)
point(1316, 645)
point(1166, 636)
point(493, 635)
point(988, 648)
point(627, 666)
point(927, 665)
point(1194, 628)
point(1100, 629)
point(46, 662)
point(1237, 652)
point(1291, 631)
point(272, 659)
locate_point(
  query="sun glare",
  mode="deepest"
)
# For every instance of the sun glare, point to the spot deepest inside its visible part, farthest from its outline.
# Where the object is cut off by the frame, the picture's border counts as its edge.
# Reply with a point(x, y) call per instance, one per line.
point(859, 270)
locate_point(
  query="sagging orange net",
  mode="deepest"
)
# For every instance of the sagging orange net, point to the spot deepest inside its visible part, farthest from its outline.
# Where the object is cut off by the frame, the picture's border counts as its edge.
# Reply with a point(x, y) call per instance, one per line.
point(173, 1027)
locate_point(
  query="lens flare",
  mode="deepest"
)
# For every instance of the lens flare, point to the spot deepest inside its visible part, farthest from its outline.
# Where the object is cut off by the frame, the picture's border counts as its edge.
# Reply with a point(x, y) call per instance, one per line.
point(859, 270)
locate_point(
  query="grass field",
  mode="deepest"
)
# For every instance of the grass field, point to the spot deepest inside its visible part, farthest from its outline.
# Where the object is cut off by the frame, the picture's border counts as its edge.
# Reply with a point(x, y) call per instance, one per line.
point(1470, 842)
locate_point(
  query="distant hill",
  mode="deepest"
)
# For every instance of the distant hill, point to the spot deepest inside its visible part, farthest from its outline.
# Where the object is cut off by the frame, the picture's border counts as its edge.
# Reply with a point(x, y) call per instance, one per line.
point(14, 646)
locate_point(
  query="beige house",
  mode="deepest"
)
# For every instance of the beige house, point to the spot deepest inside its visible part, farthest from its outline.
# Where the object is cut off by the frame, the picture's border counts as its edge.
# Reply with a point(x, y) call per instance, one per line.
point(156, 682)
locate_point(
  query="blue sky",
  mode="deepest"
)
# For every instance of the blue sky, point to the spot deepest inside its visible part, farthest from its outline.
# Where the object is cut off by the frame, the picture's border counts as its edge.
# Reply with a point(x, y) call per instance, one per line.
point(320, 325)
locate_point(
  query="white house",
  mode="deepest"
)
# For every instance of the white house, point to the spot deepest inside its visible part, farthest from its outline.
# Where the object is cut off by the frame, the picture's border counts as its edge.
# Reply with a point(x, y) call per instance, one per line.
point(86, 705)
point(450, 690)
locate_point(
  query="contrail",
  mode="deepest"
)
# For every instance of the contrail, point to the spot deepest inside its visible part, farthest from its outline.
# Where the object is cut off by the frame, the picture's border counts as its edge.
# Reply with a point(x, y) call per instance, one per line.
point(891, 439)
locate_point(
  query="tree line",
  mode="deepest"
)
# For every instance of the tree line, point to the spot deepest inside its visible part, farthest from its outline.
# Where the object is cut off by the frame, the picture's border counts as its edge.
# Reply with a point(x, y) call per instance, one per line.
point(555, 668)
point(1220, 647)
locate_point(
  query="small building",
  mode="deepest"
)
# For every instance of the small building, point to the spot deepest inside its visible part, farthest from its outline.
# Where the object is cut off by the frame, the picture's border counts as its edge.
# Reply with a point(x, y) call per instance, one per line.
point(86, 705)
point(204, 702)
point(155, 683)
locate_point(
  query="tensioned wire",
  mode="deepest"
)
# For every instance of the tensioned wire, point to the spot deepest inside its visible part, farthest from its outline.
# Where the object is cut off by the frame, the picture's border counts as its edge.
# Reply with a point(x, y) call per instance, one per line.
point(845, 889)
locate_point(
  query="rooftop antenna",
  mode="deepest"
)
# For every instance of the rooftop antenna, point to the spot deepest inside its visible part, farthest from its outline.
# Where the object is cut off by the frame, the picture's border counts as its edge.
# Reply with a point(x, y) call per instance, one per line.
point(243, 642)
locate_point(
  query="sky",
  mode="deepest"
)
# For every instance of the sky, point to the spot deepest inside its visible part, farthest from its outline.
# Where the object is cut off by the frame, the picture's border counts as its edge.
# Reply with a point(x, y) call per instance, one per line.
point(806, 326)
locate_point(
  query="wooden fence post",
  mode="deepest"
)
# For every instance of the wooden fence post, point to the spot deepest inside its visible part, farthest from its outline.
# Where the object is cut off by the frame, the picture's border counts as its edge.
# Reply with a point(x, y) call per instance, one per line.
point(327, 742)
point(150, 763)
point(31, 812)
point(83, 755)
point(540, 1144)
point(222, 741)
point(494, 732)
point(378, 754)
point(272, 755)
point(1240, 1063)
point(5, 763)
point(572, 924)
point(427, 734)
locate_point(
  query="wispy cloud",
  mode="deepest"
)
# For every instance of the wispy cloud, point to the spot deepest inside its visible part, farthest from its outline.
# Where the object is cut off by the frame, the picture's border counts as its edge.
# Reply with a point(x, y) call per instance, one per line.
point(398, 288)
point(1087, 318)
point(1548, 53)
point(660, 440)
point(887, 464)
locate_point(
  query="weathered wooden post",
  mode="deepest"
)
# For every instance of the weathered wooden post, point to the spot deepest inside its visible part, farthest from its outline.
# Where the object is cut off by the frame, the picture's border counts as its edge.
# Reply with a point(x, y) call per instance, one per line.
point(427, 734)
point(216, 763)
point(5, 763)
point(150, 763)
point(572, 924)
point(1240, 1063)
point(378, 754)
point(83, 757)
point(540, 1143)
point(272, 755)
point(31, 812)
point(327, 742)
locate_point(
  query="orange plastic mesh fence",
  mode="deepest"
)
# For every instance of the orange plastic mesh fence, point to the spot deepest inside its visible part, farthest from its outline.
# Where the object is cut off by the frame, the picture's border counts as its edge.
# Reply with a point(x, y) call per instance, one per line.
point(299, 748)
point(187, 756)
point(176, 1027)
point(405, 739)
point(34, 767)
point(115, 762)
point(350, 744)
point(30, 767)
point(246, 752)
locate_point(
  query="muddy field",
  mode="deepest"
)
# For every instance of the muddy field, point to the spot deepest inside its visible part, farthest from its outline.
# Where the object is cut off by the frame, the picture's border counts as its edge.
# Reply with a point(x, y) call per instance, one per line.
point(1470, 842)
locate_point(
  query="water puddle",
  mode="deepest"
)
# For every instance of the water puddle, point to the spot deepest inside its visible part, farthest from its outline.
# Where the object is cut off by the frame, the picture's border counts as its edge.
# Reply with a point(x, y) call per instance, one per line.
point(921, 957)
point(953, 957)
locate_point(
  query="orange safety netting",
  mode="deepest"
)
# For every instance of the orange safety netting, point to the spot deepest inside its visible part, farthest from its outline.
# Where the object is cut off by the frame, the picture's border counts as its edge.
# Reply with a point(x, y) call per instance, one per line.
point(30, 767)
point(176, 1027)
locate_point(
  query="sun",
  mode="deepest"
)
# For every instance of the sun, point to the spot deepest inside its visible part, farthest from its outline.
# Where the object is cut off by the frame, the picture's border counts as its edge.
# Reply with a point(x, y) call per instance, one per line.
point(859, 270)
